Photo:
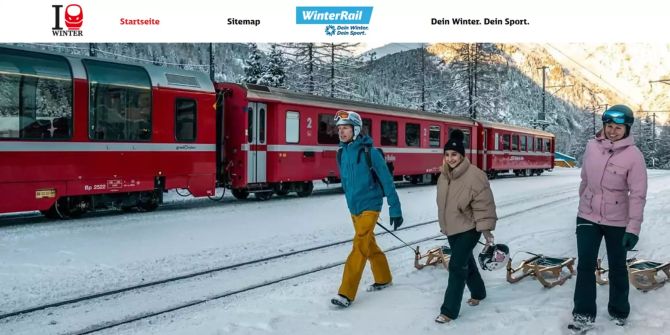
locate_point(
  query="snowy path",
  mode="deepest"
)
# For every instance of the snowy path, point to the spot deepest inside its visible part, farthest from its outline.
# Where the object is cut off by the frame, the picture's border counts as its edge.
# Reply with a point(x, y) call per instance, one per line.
point(153, 246)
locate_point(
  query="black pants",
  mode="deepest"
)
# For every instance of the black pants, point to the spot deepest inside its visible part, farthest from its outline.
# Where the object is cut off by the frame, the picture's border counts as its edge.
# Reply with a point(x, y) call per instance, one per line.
point(462, 271)
point(589, 236)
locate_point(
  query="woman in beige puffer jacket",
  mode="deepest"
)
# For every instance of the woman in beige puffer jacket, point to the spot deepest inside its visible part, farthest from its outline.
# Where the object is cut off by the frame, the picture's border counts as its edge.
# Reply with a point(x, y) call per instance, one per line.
point(466, 210)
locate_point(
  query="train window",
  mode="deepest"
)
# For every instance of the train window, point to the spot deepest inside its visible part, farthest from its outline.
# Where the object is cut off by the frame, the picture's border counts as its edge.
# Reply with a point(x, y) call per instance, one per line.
point(292, 127)
point(327, 130)
point(506, 141)
point(35, 96)
point(367, 127)
point(389, 133)
point(261, 125)
point(530, 143)
point(547, 145)
point(119, 102)
point(515, 142)
point(538, 146)
point(412, 134)
point(497, 141)
point(250, 124)
point(434, 136)
point(185, 120)
point(523, 143)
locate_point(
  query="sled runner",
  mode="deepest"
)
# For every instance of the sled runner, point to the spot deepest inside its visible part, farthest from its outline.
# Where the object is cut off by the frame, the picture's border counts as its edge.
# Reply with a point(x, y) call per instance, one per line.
point(433, 257)
point(547, 270)
point(641, 274)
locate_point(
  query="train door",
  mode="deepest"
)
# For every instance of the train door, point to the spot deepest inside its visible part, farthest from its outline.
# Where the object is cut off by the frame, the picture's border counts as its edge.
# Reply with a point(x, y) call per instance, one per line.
point(257, 140)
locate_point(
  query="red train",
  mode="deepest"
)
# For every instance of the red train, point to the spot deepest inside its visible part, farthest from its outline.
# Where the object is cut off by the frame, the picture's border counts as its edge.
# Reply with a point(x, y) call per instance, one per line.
point(121, 135)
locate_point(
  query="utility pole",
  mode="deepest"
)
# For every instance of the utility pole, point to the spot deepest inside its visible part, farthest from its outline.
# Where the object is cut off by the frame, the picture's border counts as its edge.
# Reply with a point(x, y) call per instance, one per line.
point(91, 49)
point(542, 115)
point(211, 61)
point(423, 77)
point(474, 79)
point(653, 135)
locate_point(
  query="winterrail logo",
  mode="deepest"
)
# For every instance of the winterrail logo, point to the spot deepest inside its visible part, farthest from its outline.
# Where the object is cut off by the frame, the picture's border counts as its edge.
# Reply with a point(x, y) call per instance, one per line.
point(333, 15)
point(339, 21)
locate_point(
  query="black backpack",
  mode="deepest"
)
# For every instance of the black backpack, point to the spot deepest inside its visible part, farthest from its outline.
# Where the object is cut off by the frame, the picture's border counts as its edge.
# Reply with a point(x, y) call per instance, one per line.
point(368, 159)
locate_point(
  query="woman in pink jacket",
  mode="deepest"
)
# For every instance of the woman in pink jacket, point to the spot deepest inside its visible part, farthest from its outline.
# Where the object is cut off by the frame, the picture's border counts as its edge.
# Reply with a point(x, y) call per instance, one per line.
point(612, 196)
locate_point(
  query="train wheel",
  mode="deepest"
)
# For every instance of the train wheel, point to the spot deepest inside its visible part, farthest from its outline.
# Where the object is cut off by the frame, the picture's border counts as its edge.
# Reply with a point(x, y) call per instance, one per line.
point(66, 208)
point(51, 212)
point(282, 192)
point(240, 193)
point(306, 189)
point(150, 203)
point(264, 195)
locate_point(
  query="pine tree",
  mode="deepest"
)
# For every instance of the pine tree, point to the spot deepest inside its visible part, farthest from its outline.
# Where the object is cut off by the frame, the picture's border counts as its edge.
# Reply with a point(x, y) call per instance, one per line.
point(642, 130)
point(274, 74)
point(253, 69)
point(663, 147)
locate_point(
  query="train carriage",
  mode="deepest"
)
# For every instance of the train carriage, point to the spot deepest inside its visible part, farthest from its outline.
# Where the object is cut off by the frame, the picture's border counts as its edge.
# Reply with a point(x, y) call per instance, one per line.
point(519, 150)
point(79, 133)
point(280, 141)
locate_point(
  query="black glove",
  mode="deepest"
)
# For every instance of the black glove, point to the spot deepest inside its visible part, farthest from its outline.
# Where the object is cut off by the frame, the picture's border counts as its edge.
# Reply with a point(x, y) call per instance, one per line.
point(629, 241)
point(396, 222)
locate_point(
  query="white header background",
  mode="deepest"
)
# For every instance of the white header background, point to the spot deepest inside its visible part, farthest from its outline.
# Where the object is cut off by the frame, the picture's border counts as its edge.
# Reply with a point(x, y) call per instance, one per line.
point(596, 21)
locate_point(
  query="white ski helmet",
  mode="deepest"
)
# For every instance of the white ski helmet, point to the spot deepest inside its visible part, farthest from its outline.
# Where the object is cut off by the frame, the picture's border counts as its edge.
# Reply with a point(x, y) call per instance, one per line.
point(343, 117)
point(494, 256)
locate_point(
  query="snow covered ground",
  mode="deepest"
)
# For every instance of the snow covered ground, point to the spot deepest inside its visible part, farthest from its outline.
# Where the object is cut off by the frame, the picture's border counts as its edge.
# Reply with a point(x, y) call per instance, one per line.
point(48, 262)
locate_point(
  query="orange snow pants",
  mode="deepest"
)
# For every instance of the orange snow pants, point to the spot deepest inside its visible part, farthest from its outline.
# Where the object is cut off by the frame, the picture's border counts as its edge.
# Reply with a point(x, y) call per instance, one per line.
point(365, 248)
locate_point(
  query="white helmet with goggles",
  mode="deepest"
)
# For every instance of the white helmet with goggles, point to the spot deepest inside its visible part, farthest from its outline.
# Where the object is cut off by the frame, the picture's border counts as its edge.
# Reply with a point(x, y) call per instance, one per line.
point(343, 117)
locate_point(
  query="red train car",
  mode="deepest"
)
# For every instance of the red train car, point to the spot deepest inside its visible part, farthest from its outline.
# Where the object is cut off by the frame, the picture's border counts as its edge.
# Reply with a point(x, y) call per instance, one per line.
point(80, 133)
point(505, 148)
point(277, 141)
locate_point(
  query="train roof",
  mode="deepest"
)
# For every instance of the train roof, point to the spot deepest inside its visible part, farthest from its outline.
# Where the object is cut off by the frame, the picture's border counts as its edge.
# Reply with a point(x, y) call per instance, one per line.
point(503, 126)
point(160, 76)
point(283, 95)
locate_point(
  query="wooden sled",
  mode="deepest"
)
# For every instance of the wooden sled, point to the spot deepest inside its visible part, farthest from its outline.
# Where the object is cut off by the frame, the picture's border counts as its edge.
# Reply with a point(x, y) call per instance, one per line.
point(543, 269)
point(434, 256)
point(642, 274)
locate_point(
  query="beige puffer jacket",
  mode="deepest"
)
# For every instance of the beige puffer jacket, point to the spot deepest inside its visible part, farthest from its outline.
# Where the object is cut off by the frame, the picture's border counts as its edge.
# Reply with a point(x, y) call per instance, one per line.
point(465, 200)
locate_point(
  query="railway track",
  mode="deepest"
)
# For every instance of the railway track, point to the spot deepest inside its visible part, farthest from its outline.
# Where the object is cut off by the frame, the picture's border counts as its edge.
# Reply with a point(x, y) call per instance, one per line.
point(229, 270)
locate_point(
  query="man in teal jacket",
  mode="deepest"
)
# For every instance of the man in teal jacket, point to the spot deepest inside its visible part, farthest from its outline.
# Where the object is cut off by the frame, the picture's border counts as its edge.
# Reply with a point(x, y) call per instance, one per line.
point(366, 180)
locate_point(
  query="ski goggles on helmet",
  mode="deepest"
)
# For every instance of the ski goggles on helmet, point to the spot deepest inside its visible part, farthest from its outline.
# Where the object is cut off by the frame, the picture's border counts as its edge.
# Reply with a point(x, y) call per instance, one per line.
point(614, 117)
point(341, 115)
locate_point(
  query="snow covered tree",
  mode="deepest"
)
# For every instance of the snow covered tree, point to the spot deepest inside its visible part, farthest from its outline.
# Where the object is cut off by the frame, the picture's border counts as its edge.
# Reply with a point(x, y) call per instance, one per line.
point(253, 68)
point(663, 147)
point(475, 65)
point(339, 66)
point(274, 74)
point(304, 67)
point(644, 140)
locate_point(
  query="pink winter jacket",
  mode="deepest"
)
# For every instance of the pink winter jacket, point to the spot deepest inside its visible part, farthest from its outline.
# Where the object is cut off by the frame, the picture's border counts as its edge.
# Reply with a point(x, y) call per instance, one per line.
point(613, 190)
